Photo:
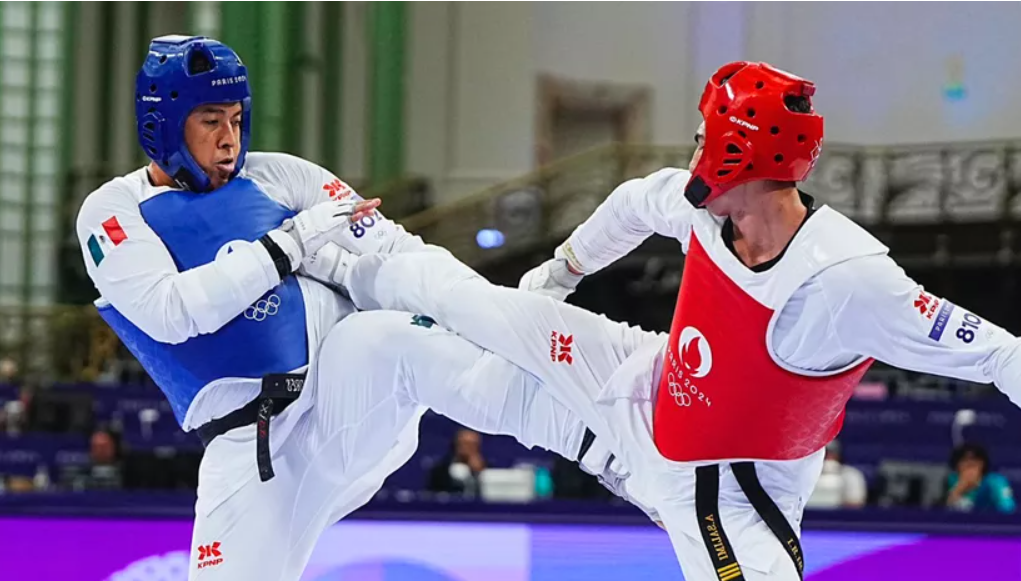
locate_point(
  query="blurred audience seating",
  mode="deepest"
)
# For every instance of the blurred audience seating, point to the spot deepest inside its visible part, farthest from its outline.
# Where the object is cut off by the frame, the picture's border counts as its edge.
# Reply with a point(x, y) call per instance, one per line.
point(900, 443)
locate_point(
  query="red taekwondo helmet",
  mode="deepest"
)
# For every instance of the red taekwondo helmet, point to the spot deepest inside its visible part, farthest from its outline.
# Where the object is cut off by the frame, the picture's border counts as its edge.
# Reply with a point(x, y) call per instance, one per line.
point(759, 125)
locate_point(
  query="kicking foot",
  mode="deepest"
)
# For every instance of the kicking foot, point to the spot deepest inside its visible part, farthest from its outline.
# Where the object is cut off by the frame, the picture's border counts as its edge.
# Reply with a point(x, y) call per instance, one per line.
point(370, 232)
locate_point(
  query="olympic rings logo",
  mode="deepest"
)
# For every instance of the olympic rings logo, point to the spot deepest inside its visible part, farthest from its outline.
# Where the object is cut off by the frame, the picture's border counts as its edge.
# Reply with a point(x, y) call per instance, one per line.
point(681, 397)
point(266, 307)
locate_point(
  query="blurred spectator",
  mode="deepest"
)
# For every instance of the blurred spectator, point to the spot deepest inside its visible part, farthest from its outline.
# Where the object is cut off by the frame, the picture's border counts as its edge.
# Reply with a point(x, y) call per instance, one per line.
point(12, 417)
point(458, 472)
point(60, 411)
point(105, 470)
point(840, 485)
point(973, 486)
point(17, 484)
point(8, 370)
point(122, 369)
point(15, 413)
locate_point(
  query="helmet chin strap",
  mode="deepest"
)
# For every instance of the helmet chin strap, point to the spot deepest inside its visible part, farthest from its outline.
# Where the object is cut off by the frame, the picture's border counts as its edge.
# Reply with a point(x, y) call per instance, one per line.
point(697, 192)
point(182, 180)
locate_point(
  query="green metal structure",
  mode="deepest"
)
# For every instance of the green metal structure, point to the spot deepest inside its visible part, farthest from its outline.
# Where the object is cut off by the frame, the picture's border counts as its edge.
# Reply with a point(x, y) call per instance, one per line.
point(33, 77)
point(387, 24)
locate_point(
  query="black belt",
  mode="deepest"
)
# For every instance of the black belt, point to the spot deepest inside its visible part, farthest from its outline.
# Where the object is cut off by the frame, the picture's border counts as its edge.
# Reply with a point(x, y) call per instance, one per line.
point(586, 442)
point(707, 493)
point(279, 390)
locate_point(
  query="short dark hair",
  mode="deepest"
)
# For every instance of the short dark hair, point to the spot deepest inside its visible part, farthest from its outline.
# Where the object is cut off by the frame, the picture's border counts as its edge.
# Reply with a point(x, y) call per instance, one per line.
point(198, 62)
point(798, 104)
point(970, 449)
point(794, 103)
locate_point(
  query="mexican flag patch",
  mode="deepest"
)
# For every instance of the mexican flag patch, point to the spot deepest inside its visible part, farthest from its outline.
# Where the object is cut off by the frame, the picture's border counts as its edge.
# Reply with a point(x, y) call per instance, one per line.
point(105, 239)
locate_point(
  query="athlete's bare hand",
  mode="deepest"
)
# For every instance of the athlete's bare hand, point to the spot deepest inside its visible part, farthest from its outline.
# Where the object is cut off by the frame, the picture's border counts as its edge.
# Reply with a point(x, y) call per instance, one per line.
point(365, 208)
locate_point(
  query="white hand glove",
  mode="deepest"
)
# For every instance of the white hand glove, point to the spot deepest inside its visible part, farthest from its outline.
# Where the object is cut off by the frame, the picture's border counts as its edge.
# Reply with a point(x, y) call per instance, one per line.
point(374, 234)
point(319, 224)
point(552, 279)
point(328, 265)
point(307, 232)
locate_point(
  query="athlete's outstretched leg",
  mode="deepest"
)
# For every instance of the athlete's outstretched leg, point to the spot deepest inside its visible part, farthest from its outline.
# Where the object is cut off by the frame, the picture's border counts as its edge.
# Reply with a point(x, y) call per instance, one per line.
point(573, 352)
point(431, 366)
point(426, 364)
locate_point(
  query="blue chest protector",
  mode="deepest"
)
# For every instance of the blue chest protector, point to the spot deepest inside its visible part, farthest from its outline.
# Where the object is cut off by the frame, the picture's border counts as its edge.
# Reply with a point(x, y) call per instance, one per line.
point(269, 337)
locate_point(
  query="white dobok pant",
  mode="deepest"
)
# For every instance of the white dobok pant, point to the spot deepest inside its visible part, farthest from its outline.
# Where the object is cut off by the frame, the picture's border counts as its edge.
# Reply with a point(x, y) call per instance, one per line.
point(376, 374)
point(606, 373)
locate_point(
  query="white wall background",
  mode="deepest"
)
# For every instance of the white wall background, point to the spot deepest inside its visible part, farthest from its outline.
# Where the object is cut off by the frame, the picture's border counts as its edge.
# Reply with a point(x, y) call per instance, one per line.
point(881, 68)
point(616, 43)
point(881, 71)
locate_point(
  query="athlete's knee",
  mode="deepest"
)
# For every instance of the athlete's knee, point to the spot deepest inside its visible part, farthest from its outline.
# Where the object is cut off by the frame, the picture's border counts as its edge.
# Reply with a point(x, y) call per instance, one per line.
point(361, 334)
point(380, 334)
point(439, 272)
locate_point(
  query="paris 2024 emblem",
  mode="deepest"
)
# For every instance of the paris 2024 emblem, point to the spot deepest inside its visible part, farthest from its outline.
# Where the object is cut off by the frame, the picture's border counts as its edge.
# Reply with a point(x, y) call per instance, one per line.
point(696, 361)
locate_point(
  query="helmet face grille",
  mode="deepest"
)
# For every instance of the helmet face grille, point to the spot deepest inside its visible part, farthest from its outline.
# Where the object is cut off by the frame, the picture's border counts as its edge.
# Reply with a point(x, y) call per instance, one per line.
point(733, 155)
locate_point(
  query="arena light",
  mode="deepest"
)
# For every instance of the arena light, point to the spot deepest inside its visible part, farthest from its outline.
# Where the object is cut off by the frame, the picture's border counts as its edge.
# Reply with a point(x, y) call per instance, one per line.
point(489, 238)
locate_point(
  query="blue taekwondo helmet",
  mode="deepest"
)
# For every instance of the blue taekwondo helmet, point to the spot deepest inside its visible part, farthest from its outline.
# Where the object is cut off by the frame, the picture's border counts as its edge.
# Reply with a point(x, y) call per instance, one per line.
point(179, 74)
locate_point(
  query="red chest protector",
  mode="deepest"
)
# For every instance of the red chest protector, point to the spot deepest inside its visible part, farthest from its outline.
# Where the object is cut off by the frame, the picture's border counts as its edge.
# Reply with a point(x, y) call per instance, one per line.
point(721, 395)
